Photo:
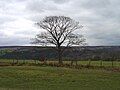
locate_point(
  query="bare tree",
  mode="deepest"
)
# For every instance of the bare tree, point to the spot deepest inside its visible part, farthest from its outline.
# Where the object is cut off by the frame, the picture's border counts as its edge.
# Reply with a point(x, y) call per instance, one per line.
point(59, 32)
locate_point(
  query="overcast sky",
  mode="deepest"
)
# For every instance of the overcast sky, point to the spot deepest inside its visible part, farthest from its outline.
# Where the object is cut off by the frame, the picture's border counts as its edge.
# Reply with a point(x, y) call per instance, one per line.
point(100, 18)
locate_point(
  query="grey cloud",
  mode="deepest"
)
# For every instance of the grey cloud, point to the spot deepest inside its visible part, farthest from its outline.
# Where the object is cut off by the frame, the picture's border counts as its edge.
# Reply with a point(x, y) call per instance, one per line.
point(41, 6)
point(13, 41)
point(4, 19)
point(61, 1)
point(100, 18)
point(106, 8)
point(96, 4)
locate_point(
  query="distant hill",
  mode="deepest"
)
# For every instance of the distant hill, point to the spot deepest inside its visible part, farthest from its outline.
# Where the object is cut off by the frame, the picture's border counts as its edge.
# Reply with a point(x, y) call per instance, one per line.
point(81, 53)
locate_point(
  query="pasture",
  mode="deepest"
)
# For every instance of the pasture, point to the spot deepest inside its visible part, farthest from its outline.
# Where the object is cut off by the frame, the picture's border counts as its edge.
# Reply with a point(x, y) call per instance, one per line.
point(33, 75)
point(84, 63)
point(57, 78)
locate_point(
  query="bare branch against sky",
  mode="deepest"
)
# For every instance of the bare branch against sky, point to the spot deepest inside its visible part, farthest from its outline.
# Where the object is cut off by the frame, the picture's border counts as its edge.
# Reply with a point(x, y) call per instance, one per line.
point(100, 18)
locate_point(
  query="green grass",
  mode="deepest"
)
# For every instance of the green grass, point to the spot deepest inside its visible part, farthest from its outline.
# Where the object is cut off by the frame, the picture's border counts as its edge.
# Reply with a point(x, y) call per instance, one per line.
point(57, 78)
point(98, 63)
point(93, 63)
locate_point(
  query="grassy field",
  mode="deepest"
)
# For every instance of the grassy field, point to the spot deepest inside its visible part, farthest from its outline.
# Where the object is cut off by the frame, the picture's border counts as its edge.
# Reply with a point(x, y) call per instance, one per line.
point(93, 63)
point(57, 78)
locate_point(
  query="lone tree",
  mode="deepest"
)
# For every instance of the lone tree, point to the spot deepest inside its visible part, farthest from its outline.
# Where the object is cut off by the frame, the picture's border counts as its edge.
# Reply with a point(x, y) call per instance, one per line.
point(59, 32)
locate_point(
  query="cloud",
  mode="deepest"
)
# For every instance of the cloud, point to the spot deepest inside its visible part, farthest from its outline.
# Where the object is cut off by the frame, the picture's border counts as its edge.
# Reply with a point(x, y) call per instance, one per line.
point(100, 19)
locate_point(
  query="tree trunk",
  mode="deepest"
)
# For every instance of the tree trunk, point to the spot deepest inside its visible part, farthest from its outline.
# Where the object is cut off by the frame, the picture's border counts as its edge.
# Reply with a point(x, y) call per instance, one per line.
point(60, 55)
point(23, 61)
point(60, 58)
point(76, 63)
point(17, 61)
point(89, 63)
point(101, 64)
point(112, 63)
point(13, 62)
point(71, 62)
